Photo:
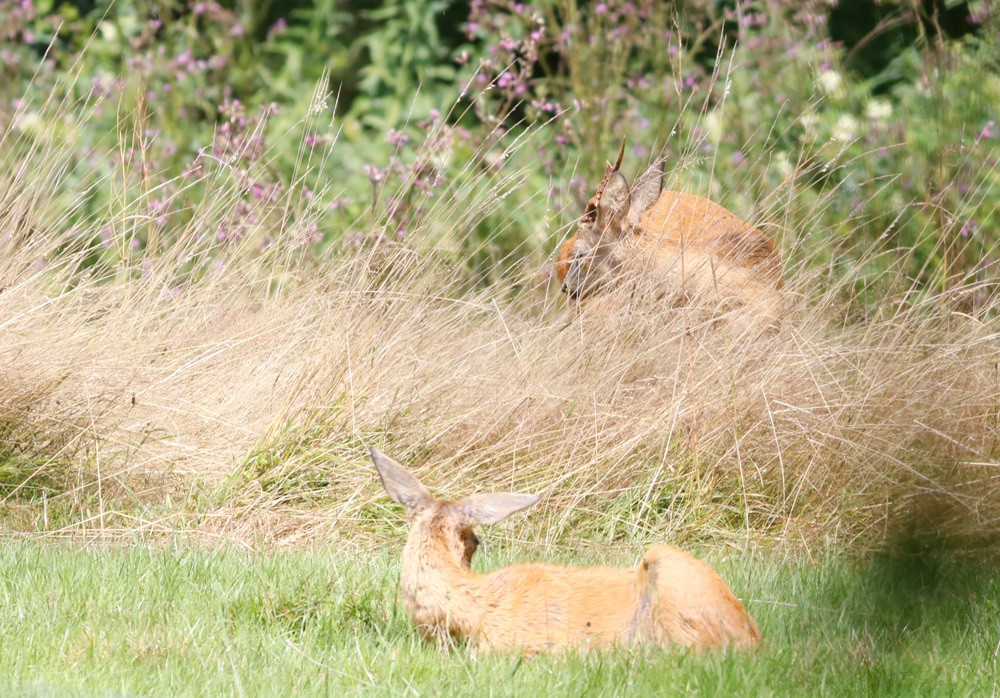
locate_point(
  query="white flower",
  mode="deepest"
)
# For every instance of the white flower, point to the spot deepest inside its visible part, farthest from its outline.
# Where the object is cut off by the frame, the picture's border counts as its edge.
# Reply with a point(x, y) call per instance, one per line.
point(831, 82)
point(809, 122)
point(782, 165)
point(879, 110)
point(846, 128)
point(109, 32)
point(713, 126)
point(29, 121)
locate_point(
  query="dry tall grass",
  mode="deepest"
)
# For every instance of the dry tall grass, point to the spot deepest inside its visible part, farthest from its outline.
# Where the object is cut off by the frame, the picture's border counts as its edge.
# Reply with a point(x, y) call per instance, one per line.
point(240, 397)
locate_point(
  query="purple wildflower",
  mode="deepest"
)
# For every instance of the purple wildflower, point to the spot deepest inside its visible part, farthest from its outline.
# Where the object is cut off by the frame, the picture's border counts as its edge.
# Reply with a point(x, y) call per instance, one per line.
point(397, 138)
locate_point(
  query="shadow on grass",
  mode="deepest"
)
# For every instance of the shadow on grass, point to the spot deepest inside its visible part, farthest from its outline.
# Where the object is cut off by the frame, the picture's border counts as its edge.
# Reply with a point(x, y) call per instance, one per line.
point(919, 615)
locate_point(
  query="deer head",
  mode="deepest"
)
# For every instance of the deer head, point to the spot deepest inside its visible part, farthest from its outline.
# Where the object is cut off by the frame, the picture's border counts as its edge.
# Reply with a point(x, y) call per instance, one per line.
point(611, 215)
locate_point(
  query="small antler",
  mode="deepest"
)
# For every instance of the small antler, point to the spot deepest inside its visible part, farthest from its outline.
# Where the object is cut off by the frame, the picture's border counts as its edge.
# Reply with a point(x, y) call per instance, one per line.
point(621, 154)
point(608, 172)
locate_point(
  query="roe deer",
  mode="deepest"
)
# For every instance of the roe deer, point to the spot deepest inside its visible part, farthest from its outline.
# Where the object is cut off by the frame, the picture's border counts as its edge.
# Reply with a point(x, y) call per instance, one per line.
point(671, 244)
point(669, 599)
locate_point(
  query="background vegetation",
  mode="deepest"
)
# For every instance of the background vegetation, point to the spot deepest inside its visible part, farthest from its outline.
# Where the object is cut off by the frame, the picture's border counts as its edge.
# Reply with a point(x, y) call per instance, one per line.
point(881, 115)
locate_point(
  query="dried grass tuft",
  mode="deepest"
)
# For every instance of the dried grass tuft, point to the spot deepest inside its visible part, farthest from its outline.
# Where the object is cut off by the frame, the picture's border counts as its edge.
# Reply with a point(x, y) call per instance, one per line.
point(238, 398)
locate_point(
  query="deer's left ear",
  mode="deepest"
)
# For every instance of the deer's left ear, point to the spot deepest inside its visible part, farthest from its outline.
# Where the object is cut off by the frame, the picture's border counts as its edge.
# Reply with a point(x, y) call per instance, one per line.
point(646, 192)
point(492, 508)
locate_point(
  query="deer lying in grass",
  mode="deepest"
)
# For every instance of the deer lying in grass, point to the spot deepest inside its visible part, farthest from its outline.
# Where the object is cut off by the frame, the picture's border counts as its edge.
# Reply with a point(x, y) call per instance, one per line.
point(668, 246)
point(669, 599)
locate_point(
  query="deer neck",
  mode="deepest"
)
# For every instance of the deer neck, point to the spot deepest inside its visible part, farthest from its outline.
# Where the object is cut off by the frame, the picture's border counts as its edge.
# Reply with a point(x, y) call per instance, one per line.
point(440, 593)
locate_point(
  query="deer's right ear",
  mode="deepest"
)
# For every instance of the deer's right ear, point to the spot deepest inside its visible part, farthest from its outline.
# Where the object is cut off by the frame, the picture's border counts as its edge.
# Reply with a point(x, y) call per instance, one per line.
point(401, 486)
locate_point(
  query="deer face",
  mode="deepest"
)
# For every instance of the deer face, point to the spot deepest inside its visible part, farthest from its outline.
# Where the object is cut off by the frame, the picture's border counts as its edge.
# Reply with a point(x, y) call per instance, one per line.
point(611, 216)
point(602, 226)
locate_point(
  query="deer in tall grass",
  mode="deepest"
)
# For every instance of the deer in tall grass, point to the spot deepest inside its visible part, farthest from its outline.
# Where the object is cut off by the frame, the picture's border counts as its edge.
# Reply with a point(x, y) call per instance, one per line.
point(669, 599)
point(670, 247)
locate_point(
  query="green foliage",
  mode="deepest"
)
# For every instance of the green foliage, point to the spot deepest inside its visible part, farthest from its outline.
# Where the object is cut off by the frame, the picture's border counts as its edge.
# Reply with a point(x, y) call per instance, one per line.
point(840, 149)
point(313, 38)
point(406, 65)
point(24, 478)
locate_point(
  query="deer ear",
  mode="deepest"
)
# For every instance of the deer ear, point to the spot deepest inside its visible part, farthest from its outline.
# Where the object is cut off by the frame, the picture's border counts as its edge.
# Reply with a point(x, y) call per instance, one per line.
point(646, 191)
point(401, 486)
point(492, 508)
point(614, 204)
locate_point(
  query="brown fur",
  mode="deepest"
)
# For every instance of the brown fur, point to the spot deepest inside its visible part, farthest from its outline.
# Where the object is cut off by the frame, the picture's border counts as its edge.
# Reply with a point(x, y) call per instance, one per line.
point(669, 599)
point(669, 245)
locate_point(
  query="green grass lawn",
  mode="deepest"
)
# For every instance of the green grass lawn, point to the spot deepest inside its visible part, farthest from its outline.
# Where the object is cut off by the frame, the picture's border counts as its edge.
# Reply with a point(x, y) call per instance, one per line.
point(213, 622)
